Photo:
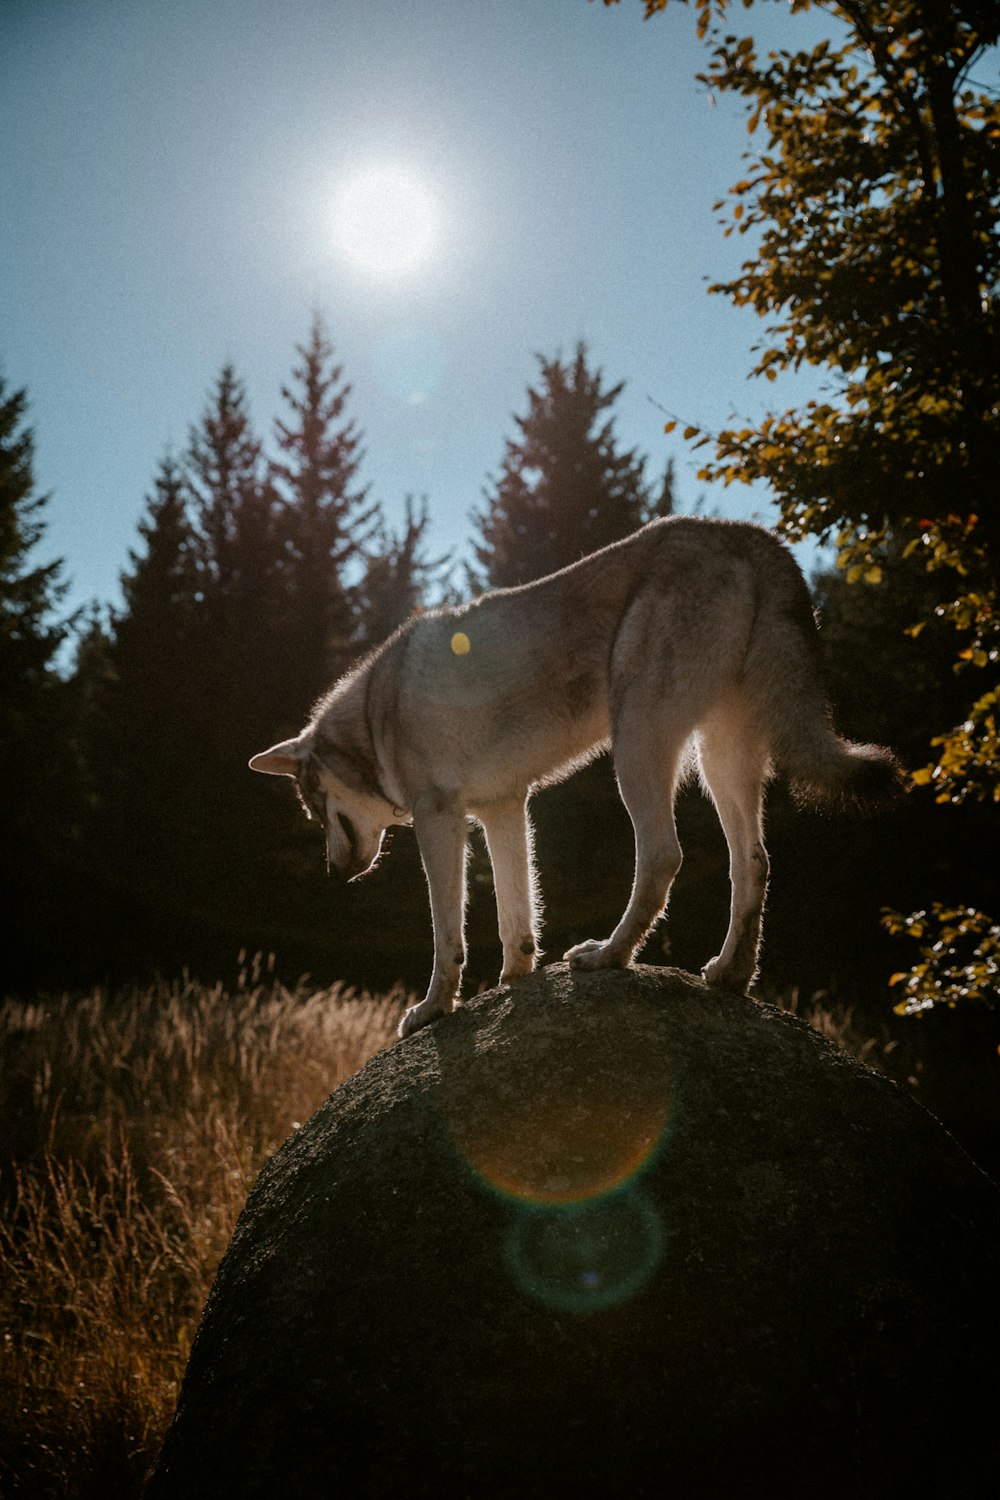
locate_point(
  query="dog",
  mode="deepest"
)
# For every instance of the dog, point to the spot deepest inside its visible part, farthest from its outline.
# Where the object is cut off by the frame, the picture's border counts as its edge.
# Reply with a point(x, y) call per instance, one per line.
point(691, 642)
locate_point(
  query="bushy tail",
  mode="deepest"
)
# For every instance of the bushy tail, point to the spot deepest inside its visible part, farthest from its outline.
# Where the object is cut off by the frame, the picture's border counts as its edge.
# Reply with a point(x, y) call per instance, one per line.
point(784, 680)
point(863, 777)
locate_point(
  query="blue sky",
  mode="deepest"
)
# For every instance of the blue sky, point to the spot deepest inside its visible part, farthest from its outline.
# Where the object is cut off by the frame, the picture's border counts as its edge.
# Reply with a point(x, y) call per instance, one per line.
point(169, 179)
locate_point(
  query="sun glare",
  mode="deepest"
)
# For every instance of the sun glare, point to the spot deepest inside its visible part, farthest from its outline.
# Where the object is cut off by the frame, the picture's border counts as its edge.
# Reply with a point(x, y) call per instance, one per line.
point(385, 220)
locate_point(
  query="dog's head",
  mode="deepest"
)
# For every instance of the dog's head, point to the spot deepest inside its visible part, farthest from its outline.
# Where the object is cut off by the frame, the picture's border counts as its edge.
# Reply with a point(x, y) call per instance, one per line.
point(333, 792)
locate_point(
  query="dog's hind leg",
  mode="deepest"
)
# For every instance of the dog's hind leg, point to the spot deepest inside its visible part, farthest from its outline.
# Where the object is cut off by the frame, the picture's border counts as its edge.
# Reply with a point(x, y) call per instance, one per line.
point(646, 764)
point(440, 827)
point(508, 838)
point(734, 766)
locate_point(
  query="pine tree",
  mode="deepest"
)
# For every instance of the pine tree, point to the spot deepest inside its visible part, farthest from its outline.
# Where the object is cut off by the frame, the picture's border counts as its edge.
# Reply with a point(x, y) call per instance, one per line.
point(36, 815)
point(239, 663)
point(322, 520)
point(153, 649)
point(398, 576)
point(133, 684)
point(225, 470)
point(664, 502)
point(162, 584)
point(564, 488)
point(235, 661)
point(29, 638)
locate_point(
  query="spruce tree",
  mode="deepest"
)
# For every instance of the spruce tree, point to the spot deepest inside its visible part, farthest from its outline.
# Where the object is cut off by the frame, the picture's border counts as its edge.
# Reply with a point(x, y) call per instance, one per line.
point(225, 471)
point(564, 488)
point(29, 636)
point(237, 655)
point(235, 659)
point(141, 731)
point(36, 812)
point(322, 520)
point(398, 576)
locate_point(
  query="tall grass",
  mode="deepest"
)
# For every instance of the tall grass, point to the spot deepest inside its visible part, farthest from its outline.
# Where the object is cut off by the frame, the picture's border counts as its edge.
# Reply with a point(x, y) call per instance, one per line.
point(132, 1126)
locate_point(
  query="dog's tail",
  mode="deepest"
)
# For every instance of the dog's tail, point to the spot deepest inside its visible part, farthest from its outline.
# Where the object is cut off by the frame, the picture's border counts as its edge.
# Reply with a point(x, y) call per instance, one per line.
point(784, 678)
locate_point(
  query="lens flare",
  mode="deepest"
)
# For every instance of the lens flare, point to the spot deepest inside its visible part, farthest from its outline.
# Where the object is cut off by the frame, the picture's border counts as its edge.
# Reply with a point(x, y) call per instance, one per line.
point(409, 363)
point(570, 1121)
point(588, 1256)
point(563, 1125)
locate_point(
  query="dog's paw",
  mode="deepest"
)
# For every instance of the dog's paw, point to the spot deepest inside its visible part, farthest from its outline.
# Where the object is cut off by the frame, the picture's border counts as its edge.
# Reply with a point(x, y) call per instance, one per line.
point(594, 955)
point(723, 977)
point(416, 1017)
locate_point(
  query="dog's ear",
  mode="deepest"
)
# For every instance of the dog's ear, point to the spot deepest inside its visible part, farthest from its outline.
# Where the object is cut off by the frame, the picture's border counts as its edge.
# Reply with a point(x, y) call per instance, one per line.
point(285, 759)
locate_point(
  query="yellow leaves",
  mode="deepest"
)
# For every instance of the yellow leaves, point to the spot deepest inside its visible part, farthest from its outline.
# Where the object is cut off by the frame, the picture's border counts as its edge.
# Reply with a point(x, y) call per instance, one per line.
point(946, 543)
point(860, 554)
point(968, 763)
point(959, 960)
point(933, 406)
point(692, 432)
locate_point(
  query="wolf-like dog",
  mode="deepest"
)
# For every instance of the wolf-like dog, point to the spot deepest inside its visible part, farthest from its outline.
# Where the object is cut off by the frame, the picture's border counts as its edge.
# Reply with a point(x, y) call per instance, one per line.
point(690, 642)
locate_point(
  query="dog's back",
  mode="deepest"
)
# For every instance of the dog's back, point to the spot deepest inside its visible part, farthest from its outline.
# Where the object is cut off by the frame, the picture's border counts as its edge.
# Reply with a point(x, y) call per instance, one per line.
point(721, 613)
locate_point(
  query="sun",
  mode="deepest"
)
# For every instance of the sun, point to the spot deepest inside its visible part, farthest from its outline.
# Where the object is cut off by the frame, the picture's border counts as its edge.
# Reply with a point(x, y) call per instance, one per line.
point(385, 220)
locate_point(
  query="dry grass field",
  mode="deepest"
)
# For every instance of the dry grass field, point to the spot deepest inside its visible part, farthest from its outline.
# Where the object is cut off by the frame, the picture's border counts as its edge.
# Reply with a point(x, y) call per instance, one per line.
point(132, 1126)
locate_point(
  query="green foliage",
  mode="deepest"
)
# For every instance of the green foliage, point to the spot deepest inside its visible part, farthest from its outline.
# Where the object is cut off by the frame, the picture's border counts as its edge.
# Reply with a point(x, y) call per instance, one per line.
point(908, 689)
point(872, 207)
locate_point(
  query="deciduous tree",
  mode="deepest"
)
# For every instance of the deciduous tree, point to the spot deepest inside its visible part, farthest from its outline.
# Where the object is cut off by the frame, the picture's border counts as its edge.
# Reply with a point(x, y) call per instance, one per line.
point(871, 208)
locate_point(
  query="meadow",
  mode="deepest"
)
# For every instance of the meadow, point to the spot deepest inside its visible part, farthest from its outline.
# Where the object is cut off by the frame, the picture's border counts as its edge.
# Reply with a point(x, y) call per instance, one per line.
point(132, 1126)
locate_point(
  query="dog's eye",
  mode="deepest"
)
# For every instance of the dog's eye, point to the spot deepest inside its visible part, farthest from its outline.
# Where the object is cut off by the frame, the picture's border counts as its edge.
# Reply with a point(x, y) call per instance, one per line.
point(348, 828)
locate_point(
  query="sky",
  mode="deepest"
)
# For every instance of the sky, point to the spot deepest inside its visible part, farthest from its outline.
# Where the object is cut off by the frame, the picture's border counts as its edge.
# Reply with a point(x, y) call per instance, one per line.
point(174, 180)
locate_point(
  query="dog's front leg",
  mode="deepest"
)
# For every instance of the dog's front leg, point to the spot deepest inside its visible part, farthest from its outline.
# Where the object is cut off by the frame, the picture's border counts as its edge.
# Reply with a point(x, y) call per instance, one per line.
point(439, 823)
point(508, 838)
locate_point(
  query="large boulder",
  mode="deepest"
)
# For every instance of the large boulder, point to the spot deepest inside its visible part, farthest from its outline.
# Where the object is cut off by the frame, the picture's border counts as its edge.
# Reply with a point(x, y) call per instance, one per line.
point(603, 1234)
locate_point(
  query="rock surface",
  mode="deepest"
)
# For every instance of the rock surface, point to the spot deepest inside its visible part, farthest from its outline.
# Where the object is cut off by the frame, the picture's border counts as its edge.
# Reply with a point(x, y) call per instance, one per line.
point(613, 1234)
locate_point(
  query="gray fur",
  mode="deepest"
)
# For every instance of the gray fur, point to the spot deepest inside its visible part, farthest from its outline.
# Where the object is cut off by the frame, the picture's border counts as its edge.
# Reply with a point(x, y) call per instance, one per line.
point(690, 642)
